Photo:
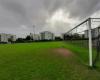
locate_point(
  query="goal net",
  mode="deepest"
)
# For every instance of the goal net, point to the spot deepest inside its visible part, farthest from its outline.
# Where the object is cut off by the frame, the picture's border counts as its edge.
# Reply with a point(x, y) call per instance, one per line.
point(85, 38)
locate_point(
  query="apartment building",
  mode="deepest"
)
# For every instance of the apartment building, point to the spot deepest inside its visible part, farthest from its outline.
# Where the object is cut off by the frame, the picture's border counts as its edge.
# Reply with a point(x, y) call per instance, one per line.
point(46, 35)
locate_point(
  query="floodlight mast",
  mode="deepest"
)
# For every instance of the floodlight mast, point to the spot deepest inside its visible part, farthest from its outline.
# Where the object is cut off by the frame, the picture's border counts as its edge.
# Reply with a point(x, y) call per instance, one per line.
point(33, 32)
point(34, 29)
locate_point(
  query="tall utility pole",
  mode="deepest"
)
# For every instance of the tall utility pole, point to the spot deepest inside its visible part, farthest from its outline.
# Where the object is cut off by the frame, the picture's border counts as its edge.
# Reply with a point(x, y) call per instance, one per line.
point(33, 32)
point(90, 42)
point(34, 29)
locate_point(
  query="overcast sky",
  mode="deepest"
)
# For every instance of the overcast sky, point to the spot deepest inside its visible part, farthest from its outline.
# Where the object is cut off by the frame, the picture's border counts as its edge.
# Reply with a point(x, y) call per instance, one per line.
point(18, 16)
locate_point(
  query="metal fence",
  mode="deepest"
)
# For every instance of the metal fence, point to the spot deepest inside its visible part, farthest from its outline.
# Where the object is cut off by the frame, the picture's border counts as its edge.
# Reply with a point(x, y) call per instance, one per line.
point(87, 35)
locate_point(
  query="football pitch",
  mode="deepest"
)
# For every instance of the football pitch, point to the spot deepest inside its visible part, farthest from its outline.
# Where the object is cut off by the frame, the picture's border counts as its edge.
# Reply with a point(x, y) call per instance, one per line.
point(45, 61)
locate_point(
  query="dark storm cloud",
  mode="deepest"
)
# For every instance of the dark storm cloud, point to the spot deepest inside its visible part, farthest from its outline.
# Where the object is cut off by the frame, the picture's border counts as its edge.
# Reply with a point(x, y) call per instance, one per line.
point(20, 15)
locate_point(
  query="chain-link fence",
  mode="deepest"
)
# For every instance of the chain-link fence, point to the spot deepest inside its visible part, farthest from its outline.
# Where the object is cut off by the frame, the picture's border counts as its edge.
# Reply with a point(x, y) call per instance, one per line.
point(86, 38)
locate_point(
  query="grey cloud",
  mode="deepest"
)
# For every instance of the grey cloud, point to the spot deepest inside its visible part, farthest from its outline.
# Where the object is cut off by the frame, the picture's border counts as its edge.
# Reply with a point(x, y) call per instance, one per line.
point(15, 9)
point(14, 13)
point(76, 8)
point(83, 8)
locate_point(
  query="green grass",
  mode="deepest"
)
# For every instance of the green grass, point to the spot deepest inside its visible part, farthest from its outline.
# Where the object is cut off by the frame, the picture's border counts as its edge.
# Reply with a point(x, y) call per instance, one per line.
point(37, 61)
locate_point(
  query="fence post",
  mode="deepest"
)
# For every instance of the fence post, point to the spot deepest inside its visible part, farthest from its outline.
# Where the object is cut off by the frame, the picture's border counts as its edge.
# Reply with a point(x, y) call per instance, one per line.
point(90, 43)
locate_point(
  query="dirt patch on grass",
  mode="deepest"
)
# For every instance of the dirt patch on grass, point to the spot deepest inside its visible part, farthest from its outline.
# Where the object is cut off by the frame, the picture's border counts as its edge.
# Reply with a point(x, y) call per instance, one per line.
point(63, 52)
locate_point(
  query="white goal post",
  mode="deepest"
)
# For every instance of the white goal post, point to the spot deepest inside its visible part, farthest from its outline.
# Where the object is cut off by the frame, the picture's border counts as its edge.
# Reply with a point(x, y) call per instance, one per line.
point(90, 43)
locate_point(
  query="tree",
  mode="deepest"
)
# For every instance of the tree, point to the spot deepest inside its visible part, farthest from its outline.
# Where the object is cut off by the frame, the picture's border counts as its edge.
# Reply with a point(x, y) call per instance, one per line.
point(20, 40)
point(28, 38)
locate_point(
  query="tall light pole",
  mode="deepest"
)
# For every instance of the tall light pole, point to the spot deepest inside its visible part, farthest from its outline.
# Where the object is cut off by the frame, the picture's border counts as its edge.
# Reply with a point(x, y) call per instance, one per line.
point(33, 32)
point(34, 29)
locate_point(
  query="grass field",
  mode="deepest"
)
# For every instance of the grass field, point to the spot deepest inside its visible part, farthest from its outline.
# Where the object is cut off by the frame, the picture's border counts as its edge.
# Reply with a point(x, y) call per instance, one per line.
point(38, 61)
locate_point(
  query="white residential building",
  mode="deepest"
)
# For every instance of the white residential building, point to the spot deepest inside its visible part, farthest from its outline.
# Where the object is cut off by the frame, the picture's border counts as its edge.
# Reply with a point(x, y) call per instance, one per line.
point(5, 38)
point(86, 34)
point(95, 32)
point(46, 35)
point(11, 37)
